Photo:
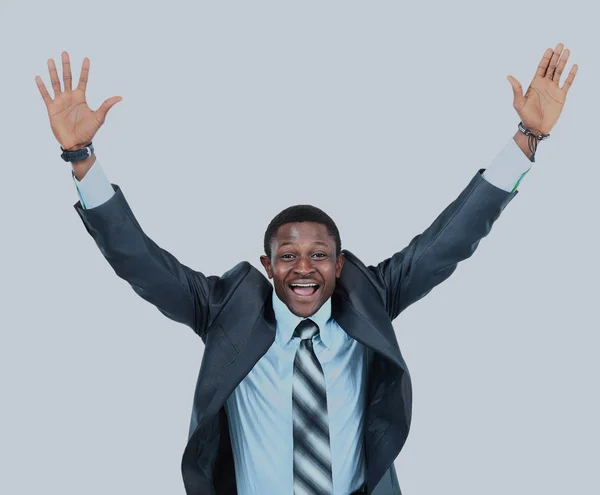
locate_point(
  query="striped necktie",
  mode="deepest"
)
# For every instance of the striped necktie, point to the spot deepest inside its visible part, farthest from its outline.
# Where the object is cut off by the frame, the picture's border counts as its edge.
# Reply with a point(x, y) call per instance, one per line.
point(312, 453)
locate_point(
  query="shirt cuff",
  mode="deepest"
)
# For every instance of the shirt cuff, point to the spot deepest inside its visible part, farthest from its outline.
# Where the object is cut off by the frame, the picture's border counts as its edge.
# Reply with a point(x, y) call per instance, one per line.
point(508, 167)
point(95, 188)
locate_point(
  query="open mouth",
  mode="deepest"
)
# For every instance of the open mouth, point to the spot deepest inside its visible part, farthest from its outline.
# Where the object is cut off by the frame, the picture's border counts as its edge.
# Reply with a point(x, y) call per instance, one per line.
point(304, 290)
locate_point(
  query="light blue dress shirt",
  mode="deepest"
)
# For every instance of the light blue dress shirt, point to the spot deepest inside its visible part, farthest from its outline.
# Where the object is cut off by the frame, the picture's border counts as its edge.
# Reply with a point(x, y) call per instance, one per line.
point(260, 408)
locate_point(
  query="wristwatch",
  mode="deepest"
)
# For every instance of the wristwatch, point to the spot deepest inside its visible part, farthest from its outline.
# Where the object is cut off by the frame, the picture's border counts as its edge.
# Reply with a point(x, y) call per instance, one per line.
point(77, 155)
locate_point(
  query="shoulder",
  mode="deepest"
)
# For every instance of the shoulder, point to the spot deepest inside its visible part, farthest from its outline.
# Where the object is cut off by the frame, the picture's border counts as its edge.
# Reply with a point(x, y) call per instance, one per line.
point(242, 277)
point(240, 290)
point(356, 274)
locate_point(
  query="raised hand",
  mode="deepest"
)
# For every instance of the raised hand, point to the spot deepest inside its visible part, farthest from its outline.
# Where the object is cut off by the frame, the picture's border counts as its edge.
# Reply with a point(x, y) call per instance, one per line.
point(541, 106)
point(73, 123)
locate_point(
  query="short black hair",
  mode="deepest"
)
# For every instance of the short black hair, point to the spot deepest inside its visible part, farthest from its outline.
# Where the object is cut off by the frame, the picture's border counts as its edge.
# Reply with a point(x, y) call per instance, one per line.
point(302, 213)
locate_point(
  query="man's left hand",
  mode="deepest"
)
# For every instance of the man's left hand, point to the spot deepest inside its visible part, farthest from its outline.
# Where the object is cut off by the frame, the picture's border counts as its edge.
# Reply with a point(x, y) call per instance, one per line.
point(541, 106)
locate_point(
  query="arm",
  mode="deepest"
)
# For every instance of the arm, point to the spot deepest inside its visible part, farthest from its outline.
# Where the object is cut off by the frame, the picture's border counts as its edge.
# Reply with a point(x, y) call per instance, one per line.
point(431, 257)
point(156, 275)
point(180, 293)
point(177, 291)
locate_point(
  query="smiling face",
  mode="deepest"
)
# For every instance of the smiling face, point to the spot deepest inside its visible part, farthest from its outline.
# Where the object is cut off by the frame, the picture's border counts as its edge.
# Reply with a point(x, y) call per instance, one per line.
point(303, 266)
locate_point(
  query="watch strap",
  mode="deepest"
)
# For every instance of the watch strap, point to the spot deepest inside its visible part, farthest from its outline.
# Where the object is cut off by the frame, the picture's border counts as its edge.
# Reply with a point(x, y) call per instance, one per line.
point(77, 155)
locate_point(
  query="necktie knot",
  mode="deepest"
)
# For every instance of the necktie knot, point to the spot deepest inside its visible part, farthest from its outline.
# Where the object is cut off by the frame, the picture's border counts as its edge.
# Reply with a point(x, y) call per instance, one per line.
point(306, 329)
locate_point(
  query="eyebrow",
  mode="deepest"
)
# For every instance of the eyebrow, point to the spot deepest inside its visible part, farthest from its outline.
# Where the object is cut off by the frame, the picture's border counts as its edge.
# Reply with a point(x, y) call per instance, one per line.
point(320, 243)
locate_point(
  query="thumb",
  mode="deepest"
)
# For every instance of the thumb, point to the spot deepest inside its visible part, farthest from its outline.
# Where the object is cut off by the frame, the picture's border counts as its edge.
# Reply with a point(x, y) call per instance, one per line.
point(106, 106)
point(519, 100)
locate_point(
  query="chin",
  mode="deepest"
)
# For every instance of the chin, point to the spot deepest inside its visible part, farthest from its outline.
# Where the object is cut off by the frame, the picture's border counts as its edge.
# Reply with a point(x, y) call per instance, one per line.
point(304, 312)
point(306, 308)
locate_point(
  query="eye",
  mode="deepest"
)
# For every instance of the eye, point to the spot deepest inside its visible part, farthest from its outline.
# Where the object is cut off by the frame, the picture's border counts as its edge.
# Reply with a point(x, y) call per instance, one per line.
point(321, 254)
point(284, 256)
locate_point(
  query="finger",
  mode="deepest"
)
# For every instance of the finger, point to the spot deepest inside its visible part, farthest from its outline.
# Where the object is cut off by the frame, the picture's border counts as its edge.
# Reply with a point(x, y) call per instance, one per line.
point(85, 71)
point(554, 61)
point(44, 92)
point(541, 70)
point(561, 66)
point(54, 77)
point(570, 79)
point(106, 106)
point(66, 70)
point(517, 92)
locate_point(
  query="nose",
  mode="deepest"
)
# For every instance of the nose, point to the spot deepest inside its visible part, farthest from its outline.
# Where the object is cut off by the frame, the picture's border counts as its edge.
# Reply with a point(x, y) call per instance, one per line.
point(304, 265)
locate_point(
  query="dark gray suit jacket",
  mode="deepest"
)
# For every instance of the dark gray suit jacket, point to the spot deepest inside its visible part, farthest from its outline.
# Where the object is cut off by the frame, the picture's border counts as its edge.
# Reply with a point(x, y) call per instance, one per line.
point(233, 316)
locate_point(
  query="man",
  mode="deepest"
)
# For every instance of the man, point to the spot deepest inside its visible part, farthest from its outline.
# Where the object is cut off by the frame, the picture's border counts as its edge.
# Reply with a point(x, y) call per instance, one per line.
point(302, 387)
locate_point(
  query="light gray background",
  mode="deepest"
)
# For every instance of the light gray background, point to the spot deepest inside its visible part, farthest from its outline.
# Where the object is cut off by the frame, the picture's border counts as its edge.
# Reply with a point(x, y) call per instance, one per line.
point(378, 112)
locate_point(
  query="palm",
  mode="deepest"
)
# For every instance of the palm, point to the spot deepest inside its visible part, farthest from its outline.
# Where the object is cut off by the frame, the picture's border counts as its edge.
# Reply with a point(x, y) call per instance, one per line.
point(543, 104)
point(73, 122)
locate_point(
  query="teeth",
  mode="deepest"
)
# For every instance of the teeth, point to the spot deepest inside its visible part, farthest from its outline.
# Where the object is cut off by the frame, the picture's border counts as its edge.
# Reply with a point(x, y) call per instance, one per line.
point(304, 285)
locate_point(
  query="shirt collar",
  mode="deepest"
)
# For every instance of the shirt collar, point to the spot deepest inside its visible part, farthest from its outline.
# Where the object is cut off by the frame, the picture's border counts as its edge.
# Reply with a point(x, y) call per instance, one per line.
point(287, 321)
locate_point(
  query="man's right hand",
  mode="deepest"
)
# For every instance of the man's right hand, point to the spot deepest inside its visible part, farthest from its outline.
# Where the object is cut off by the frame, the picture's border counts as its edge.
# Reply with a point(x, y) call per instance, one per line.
point(73, 123)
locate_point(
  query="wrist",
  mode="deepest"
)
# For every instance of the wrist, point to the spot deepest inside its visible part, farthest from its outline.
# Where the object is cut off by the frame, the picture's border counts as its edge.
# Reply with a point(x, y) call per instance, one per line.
point(76, 147)
point(81, 167)
point(523, 142)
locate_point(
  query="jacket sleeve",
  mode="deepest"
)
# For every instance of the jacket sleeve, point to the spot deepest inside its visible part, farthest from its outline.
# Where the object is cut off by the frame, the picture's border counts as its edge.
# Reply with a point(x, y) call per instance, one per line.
point(432, 256)
point(177, 291)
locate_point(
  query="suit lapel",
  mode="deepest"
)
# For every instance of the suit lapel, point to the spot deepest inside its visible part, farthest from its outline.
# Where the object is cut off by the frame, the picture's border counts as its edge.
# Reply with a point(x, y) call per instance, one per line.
point(363, 317)
point(260, 339)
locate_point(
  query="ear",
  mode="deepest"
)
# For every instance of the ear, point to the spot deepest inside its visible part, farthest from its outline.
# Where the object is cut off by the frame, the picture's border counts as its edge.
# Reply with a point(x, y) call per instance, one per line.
point(266, 262)
point(339, 263)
